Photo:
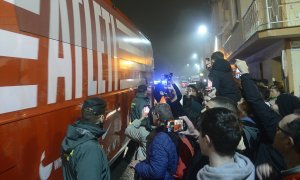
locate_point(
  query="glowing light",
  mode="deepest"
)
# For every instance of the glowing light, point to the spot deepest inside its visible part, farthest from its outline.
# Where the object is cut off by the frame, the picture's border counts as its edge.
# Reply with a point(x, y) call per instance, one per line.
point(216, 44)
point(195, 56)
point(202, 29)
point(201, 74)
point(136, 40)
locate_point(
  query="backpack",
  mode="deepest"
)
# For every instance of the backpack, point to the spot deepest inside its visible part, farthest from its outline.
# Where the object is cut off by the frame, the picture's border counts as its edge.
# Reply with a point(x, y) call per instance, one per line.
point(185, 152)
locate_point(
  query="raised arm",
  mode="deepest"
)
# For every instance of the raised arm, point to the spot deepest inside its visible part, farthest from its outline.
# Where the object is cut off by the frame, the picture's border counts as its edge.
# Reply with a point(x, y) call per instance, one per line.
point(266, 117)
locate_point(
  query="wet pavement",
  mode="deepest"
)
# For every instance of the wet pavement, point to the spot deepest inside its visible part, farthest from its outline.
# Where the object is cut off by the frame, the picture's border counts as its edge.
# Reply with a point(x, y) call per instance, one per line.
point(121, 170)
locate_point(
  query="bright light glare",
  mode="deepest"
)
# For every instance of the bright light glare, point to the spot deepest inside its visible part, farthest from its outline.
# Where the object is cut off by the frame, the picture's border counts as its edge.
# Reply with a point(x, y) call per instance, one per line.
point(136, 41)
point(216, 44)
point(195, 56)
point(202, 29)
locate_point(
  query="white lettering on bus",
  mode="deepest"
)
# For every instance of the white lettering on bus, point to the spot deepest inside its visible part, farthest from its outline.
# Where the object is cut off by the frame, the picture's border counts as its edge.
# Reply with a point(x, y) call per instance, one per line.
point(100, 48)
point(115, 56)
point(106, 18)
point(45, 171)
point(59, 67)
point(78, 49)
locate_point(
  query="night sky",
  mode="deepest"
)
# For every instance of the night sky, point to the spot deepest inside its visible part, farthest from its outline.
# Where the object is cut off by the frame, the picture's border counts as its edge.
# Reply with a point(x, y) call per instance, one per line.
point(171, 26)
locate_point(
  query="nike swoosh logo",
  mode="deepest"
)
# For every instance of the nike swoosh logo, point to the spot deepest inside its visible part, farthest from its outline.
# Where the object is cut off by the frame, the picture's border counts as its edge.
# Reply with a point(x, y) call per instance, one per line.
point(45, 171)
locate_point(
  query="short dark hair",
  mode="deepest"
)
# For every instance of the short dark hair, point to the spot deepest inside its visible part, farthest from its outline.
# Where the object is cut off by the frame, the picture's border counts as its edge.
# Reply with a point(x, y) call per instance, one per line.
point(223, 128)
point(265, 91)
point(225, 102)
point(142, 88)
point(217, 55)
point(293, 129)
point(164, 111)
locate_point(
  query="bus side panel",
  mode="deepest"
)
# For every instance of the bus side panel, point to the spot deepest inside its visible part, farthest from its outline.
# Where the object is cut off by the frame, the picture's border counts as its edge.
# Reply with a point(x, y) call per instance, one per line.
point(33, 146)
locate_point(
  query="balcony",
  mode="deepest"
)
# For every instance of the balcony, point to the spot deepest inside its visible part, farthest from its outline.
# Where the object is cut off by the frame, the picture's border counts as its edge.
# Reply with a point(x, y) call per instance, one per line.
point(263, 15)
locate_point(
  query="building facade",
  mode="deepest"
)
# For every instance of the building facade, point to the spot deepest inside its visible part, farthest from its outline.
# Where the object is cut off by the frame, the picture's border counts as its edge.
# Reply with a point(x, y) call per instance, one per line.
point(265, 33)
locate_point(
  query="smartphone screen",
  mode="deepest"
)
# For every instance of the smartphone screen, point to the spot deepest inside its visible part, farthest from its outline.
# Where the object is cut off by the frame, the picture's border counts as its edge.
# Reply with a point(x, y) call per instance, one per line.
point(146, 110)
point(175, 125)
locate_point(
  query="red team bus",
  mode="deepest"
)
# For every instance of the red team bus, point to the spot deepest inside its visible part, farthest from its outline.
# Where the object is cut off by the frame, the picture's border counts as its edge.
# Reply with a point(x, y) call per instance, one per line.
point(53, 55)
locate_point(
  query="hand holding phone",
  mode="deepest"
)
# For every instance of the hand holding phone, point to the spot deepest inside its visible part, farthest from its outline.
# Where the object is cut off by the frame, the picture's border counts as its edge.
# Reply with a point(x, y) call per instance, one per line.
point(146, 111)
point(176, 125)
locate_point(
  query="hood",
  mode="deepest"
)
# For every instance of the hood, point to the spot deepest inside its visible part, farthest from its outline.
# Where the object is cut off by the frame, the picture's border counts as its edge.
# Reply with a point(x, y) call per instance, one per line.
point(241, 168)
point(80, 132)
point(221, 65)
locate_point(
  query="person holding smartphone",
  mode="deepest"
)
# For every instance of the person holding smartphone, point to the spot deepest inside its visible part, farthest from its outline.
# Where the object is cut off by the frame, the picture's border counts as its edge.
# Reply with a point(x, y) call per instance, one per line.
point(221, 77)
point(138, 132)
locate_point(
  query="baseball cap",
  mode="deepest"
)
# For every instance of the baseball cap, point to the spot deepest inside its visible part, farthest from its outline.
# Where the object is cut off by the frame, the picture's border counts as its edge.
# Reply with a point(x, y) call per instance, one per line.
point(97, 105)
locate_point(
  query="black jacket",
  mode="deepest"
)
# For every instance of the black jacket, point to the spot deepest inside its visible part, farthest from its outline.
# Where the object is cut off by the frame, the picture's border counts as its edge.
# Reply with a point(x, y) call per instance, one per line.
point(192, 107)
point(82, 155)
point(267, 121)
point(222, 79)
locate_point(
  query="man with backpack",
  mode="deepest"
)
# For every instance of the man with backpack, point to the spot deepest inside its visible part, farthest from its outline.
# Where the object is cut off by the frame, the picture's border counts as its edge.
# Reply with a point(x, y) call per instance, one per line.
point(163, 149)
point(82, 155)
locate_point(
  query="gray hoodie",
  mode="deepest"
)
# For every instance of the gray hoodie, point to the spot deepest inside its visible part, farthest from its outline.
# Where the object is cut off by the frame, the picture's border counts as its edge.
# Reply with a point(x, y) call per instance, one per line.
point(241, 168)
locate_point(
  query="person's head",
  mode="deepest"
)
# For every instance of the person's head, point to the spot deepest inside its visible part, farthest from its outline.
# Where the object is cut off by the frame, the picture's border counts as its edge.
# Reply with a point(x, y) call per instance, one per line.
point(220, 132)
point(223, 102)
point(161, 114)
point(142, 88)
point(93, 110)
point(274, 91)
point(244, 110)
point(191, 90)
point(265, 92)
point(287, 138)
point(217, 55)
point(209, 63)
point(287, 104)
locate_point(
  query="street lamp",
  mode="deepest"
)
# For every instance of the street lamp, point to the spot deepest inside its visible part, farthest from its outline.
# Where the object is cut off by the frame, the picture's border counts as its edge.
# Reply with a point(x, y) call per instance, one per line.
point(195, 56)
point(202, 29)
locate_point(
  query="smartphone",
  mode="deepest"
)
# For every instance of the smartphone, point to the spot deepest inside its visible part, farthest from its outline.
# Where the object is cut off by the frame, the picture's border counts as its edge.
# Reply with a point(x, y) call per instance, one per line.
point(146, 110)
point(237, 73)
point(176, 125)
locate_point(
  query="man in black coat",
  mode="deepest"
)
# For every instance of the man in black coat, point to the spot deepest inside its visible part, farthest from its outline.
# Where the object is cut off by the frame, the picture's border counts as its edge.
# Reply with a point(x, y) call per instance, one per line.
point(222, 78)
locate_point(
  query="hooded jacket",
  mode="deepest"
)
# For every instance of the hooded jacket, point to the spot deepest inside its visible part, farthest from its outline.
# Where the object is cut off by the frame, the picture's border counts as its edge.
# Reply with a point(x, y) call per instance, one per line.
point(241, 168)
point(222, 79)
point(82, 155)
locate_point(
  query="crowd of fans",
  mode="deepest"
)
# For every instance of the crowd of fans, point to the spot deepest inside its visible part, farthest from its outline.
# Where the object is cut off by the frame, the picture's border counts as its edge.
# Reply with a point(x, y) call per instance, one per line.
point(243, 130)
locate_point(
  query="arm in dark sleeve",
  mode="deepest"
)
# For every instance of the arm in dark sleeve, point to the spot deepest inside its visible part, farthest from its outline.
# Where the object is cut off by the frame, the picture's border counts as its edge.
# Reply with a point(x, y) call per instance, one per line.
point(268, 119)
point(134, 111)
point(215, 81)
point(177, 91)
